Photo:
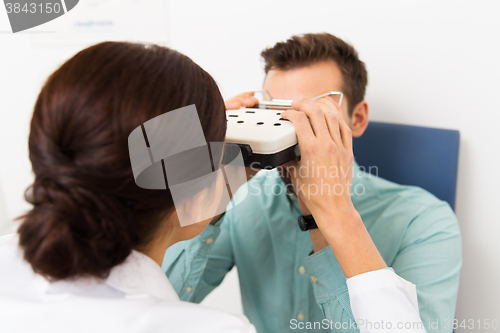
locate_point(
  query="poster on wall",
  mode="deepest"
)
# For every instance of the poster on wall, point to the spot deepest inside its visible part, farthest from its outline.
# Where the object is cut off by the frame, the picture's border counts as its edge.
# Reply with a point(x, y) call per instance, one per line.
point(93, 21)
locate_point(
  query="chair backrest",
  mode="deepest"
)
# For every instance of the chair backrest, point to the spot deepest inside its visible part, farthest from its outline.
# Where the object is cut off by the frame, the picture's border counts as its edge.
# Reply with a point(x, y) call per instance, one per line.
point(411, 155)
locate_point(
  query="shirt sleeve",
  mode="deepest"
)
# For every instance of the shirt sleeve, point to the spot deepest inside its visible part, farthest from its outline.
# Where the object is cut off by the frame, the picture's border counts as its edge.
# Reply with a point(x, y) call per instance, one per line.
point(197, 266)
point(431, 258)
point(330, 290)
point(382, 301)
point(351, 306)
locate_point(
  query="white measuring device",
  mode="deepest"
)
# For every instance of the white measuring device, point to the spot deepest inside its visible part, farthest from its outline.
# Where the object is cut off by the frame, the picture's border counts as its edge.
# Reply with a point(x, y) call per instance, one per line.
point(264, 137)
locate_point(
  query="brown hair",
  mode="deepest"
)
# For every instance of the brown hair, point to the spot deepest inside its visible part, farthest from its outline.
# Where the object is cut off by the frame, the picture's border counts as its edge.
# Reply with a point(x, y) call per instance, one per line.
point(88, 213)
point(308, 49)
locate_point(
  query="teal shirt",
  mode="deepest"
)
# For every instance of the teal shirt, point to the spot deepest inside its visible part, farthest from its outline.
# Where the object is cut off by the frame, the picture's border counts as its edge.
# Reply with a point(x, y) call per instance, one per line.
point(416, 234)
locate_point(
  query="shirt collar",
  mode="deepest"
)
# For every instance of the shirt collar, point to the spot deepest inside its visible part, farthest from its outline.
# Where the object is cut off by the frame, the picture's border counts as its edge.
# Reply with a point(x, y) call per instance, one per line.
point(139, 275)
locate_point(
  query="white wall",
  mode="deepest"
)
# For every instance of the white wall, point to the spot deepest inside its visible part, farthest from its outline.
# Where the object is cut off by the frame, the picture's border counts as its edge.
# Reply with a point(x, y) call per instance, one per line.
point(431, 63)
point(4, 226)
point(26, 60)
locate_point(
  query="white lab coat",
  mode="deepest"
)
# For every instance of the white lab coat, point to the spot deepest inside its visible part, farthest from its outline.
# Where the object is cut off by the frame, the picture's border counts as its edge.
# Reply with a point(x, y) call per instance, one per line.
point(137, 297)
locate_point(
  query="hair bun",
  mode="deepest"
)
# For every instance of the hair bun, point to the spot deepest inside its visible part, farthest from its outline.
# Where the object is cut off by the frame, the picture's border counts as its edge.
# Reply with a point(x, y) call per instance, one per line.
point(72, 231)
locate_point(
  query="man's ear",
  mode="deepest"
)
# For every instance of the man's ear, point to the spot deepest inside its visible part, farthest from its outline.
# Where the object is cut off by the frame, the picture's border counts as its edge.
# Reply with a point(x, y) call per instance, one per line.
point(359, 119)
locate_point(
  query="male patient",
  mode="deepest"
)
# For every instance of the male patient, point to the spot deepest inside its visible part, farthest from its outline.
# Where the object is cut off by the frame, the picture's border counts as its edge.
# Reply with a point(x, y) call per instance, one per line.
point(288, 276)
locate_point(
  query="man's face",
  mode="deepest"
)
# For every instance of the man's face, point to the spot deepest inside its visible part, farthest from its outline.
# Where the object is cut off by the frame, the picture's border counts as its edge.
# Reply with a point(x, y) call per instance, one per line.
point(306, 82)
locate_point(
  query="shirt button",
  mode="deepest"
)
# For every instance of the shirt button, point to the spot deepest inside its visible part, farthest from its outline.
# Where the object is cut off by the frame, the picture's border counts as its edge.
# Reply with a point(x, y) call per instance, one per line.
point(291, 196)
point(300, 316)
point(313, 278)
point(288, 204)
point(189, 289)
point(209, 241)
point(302, 270)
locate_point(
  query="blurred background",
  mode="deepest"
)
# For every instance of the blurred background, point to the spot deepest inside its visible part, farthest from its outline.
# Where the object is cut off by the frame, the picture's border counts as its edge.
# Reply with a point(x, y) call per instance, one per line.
point(430, 63)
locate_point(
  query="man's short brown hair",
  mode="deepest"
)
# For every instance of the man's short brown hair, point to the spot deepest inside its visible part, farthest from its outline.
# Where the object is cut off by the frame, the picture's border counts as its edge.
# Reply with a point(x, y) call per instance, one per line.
point(305, 50)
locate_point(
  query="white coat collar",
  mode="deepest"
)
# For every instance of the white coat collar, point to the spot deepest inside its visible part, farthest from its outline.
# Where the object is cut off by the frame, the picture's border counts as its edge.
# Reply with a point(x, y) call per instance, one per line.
point(137, 276)
point(140, 275)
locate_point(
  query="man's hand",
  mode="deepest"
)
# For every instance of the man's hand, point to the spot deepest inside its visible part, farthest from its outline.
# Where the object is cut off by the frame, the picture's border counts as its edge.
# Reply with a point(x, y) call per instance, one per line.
point(326, 161)
point(327, 106)
point(245, 99)
point(323, 179)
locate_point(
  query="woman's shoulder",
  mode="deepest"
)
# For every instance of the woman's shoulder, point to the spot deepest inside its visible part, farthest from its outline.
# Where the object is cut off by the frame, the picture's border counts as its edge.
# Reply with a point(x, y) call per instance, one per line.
point(84, 314)
point(10, 239)
point(10, 253)
point(189, 317)
point(20, 277)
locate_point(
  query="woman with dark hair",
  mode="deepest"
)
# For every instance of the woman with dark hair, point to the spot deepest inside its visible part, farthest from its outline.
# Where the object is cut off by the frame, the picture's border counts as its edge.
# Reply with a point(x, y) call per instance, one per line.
point(94, 238)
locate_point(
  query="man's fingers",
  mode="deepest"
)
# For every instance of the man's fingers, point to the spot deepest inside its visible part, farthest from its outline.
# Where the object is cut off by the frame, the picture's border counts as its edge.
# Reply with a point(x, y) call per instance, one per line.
point(245, 99)
point(232, 105)
point(331, 112)
point(346, 134)
point(345, 130)
point(341, 133)
point(328, 102)
point(303, 129)
point(315, 115)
